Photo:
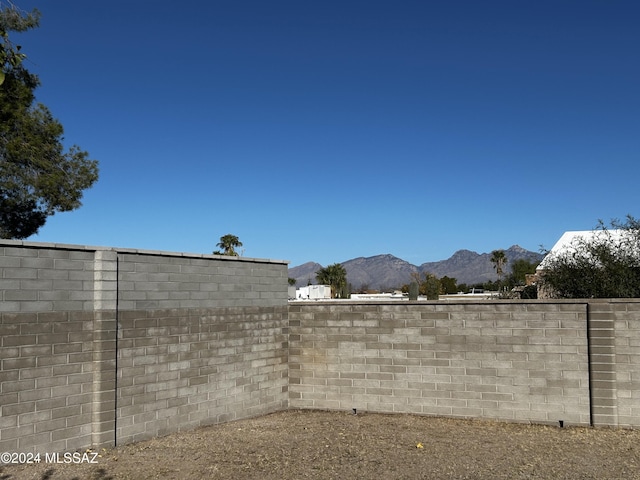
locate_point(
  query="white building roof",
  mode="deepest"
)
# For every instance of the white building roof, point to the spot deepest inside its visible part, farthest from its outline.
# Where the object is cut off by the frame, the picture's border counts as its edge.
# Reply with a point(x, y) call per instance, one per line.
point(569, 242)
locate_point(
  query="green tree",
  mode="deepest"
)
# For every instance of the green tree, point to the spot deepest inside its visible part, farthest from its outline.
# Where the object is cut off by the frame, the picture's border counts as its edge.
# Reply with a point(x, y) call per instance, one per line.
point(37, 177)
point(430, 286)
point(228, 244)
point(335, 276)
point(605, 264)
point(448, 285)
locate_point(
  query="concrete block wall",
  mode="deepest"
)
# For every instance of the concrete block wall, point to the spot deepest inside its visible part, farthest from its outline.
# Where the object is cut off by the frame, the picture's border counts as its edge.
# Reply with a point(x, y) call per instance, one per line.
point(148, 280)
point(46, 279)
point(85, 331)
point(102, 346)
point(200, 341)
point(51, 376)
point(184, 368)
point(502, 360)
point(618, 354)
point(46, 381)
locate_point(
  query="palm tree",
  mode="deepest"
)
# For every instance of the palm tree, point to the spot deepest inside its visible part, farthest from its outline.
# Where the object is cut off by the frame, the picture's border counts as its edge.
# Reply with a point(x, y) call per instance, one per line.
point(335, 276)
point(499, 259)
point(228, 243)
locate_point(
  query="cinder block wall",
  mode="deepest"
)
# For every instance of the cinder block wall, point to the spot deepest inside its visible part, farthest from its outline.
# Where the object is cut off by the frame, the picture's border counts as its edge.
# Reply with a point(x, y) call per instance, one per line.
point(100, 345)
point(56, 356)
point(201, 341)
point(615, 355)
point(502, 360)
point(46, 381)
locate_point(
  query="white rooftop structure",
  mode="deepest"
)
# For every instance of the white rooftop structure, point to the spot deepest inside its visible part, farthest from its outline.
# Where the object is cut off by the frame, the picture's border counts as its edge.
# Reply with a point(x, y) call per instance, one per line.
point(569, 242)
point(313, 292)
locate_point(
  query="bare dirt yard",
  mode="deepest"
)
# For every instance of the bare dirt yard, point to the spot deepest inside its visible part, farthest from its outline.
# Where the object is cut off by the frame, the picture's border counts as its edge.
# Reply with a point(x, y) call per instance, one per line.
point(341, 445)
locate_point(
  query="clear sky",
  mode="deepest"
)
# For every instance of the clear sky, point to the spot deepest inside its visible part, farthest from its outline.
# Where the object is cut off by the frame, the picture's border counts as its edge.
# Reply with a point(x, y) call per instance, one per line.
point(328, 130)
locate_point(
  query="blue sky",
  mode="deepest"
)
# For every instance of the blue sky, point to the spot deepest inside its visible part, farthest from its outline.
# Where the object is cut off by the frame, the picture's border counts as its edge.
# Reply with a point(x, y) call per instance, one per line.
point(328, 130)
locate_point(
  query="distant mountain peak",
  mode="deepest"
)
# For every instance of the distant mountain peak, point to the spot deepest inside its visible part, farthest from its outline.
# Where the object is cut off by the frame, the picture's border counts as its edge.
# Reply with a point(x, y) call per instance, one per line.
point(386, 271)
point(464, 254)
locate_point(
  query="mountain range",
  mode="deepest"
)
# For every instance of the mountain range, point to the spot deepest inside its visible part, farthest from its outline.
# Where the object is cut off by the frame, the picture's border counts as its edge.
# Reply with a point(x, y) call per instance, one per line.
point(383, 272)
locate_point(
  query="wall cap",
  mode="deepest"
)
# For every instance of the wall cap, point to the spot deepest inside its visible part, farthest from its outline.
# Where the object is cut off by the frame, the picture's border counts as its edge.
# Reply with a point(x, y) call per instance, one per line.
point(160, 253)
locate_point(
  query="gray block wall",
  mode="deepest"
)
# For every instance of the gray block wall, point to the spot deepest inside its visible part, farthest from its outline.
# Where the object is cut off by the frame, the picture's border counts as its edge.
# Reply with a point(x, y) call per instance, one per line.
point(200, 341)
point(615, 358)
point(47, 381)
point(515, 361)
point(102, 346)
point(162, 281)
point(181, 369)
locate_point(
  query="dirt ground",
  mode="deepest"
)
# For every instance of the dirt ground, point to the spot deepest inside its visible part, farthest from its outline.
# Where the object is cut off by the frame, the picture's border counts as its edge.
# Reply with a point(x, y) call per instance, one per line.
point(341, 445)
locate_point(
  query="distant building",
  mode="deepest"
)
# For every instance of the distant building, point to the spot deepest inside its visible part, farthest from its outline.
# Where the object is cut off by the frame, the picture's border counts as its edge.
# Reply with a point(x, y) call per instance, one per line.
point(313, 292)
point(569, 243)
